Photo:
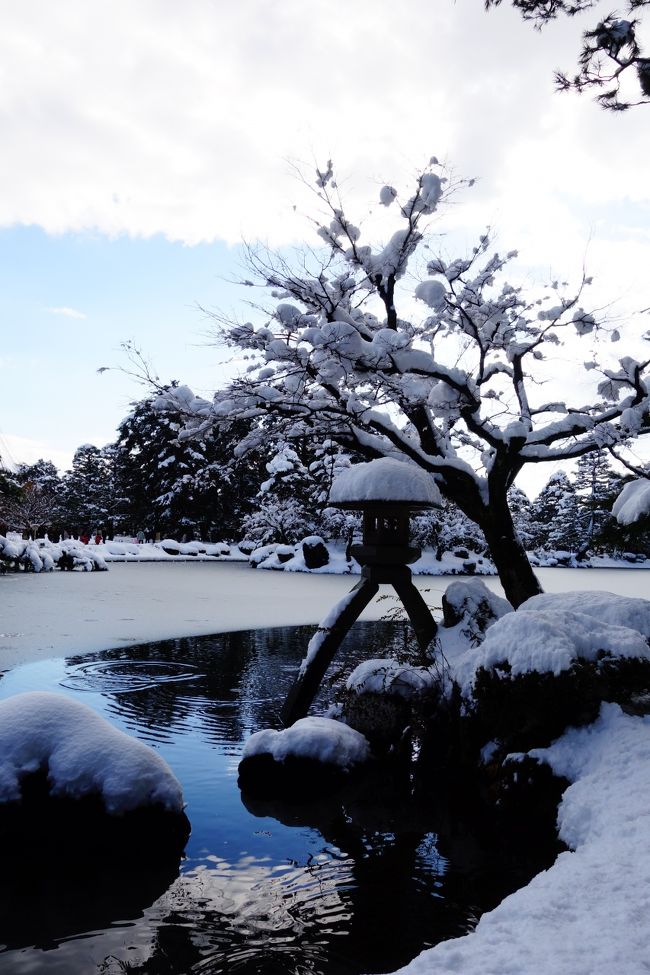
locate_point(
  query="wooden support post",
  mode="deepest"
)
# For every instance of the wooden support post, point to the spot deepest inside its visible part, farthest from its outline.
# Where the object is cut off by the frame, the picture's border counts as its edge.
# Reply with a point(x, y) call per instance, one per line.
point(322, 647)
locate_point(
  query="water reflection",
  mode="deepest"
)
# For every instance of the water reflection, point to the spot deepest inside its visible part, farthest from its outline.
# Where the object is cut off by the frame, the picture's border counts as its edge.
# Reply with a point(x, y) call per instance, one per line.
point(357, 882)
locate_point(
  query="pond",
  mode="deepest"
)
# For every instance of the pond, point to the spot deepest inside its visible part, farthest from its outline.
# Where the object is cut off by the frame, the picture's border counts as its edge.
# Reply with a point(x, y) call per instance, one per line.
point(359, 883)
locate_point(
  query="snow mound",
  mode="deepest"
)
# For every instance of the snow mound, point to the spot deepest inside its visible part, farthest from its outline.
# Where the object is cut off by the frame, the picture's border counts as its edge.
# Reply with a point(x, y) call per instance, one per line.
point(606, 607)
point(383, 676)
point(320, 739)
point(83, 754)
point(385, 479)
point(547, 641)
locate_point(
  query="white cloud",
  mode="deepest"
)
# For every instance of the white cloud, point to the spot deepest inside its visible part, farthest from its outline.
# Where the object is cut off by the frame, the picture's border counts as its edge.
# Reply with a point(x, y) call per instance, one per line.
point(67, 312)
point(178, 119)
point(23, 450)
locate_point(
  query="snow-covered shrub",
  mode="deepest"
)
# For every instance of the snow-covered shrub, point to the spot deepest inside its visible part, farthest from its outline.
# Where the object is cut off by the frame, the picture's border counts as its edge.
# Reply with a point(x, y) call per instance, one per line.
point(473, 607)
point(44, 556)
point(540, 670)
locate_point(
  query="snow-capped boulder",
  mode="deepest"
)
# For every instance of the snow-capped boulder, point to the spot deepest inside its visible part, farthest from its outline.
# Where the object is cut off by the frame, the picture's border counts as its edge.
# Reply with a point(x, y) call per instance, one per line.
point(314, 755)
point(548, 666)
point(314, 552)
point(382, 695)
point(82, 753)
point(473, 605)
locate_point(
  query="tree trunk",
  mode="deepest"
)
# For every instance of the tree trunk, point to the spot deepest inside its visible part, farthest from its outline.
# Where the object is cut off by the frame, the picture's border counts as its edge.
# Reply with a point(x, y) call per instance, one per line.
point(508, 554)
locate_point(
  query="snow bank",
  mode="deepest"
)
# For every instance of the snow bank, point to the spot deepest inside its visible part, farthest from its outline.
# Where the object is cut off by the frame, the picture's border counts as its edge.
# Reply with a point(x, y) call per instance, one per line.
point(321, 739)
point(604, 606)
point(83, 754)
point(587, 914)
point(385, 479)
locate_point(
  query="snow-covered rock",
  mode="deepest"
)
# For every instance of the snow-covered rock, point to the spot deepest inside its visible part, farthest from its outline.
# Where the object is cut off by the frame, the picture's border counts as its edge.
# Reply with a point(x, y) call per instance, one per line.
point(387, 676)
point(320, 739)
point(314, 756)
point(549, 640)
point(82, 753)
point(473, 603)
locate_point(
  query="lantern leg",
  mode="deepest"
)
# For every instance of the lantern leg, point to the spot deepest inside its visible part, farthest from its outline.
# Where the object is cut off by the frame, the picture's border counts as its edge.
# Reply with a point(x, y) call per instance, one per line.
point(322, 647)
point(417, 610)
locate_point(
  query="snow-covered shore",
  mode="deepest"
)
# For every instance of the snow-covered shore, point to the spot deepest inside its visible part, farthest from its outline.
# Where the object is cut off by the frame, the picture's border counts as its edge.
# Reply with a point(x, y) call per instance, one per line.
point(587, 914)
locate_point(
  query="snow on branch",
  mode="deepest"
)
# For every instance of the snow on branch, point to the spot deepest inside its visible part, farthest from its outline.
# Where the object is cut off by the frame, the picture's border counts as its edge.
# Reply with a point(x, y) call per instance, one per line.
point(448, 369)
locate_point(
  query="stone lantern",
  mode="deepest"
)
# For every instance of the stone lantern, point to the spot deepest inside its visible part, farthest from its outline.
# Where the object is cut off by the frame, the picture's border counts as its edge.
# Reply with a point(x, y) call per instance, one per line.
point(385, 491)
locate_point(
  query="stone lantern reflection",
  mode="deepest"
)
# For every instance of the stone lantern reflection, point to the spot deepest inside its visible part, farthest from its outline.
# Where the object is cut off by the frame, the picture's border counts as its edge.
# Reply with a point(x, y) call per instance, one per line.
point(385, 491)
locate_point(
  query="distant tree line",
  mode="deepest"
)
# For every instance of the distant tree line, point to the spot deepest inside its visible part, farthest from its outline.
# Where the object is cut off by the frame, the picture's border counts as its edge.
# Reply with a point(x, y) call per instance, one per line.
point(253, 481)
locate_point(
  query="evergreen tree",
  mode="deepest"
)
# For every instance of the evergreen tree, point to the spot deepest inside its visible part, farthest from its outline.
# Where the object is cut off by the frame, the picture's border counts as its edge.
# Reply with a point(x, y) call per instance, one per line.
point(555, 521)
point(165, 485)
point(87, 490)
point(596, 486)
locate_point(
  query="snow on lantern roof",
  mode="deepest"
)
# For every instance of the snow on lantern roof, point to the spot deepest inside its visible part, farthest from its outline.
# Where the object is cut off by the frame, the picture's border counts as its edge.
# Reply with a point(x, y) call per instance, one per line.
point(385, 480)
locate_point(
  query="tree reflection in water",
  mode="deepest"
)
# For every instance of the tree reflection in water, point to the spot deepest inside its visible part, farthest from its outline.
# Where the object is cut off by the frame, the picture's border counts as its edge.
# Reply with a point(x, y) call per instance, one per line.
point(358, 882)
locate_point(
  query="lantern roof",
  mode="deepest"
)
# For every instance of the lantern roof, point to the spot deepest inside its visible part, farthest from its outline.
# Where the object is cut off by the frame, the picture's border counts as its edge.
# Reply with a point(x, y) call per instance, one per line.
point(385, 481)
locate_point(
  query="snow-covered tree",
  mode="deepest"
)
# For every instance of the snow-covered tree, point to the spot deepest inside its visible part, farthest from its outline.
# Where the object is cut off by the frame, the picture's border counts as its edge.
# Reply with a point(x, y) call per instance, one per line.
point(611, 57)
point(88, 489)
point(179, 487)
point(34, 502)
point(555, 516)
point(454, 390)
point(522, 515)
point(596, 485)
point(290, 503)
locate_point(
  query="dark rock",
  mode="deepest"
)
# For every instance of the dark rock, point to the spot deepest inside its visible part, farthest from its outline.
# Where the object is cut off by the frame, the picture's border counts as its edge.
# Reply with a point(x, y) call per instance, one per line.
point(315, 553)
point(381, 717)
point(295, 779)
point(284, 553)
point(68, 867)
point(531, 710)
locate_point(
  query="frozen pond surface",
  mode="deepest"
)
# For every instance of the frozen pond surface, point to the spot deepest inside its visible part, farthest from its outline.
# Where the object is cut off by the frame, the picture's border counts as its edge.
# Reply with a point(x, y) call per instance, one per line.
point(73, 612)
point(358, 883)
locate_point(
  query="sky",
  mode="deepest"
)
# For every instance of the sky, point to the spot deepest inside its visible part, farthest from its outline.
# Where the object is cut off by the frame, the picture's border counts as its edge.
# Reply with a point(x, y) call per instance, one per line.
point(143, 142)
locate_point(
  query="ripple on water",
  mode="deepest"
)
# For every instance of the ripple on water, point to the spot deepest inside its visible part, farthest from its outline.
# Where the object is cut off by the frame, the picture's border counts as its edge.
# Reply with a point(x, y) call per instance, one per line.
point(127, 676)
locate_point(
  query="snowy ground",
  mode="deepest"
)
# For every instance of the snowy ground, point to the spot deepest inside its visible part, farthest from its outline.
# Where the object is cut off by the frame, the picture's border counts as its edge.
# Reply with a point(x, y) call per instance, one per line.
point(586, 915)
